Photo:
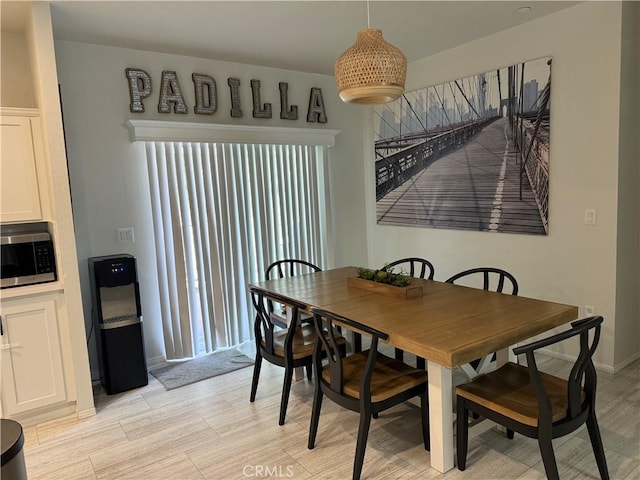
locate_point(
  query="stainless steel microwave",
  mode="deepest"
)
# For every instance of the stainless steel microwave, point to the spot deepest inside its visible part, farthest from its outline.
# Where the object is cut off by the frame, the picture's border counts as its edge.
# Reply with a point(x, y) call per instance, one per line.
point(26, 259)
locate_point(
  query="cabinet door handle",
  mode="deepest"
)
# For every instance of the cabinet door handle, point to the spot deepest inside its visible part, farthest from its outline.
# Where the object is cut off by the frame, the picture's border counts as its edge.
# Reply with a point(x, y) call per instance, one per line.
point(1, 330)
point(9, 346)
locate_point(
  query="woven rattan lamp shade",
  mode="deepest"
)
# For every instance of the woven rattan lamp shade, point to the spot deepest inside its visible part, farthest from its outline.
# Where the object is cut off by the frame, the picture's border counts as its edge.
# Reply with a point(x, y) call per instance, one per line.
point(371, 71)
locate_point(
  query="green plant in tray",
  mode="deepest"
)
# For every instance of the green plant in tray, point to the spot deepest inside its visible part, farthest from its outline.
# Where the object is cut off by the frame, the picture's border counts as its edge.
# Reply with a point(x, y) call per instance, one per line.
point(385, 275)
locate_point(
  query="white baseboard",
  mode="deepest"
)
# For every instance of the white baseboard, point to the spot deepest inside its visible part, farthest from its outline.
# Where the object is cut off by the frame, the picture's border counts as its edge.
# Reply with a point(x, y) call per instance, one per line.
point(89, 412)
point(620, 365)
point(572, 358)
point(45, 414)
point(153, 362)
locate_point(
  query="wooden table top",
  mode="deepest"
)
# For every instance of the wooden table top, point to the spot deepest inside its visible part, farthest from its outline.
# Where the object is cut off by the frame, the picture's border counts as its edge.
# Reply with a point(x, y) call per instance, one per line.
point(450, 324)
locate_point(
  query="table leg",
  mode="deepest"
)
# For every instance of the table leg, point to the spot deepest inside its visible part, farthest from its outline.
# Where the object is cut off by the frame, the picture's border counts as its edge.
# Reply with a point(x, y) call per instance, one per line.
point(441, 416)
point(504, 356)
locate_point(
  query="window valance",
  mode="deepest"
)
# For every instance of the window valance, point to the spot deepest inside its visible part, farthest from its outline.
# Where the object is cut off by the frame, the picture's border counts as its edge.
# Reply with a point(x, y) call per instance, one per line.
point(162, 131)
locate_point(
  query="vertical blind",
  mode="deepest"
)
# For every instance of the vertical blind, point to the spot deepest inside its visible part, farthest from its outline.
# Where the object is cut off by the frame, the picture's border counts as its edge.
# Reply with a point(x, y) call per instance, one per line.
point(222, 212)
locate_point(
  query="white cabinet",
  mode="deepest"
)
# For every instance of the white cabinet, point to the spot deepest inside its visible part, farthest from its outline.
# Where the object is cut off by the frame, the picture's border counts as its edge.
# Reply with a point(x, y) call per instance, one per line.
point(32, 369)
point(20, 198)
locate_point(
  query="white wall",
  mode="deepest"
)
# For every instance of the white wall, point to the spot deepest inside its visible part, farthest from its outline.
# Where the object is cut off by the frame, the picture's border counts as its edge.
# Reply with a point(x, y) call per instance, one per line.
point(108, 172)
point(574, 264)
point(45, 82)
point(627, 344)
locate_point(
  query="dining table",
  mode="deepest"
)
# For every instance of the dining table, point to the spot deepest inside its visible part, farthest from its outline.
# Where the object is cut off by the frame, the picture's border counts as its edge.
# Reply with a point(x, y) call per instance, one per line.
point(448, 325)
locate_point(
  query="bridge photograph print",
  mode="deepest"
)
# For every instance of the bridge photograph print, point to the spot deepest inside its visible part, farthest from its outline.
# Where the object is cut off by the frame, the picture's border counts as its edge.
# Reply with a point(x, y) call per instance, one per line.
point(469, 154)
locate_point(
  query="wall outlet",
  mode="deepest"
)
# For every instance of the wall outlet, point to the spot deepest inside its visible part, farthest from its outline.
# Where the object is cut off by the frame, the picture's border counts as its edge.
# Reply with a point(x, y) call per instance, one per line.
point(125, 235)
point(589, 310)
point(590, 216)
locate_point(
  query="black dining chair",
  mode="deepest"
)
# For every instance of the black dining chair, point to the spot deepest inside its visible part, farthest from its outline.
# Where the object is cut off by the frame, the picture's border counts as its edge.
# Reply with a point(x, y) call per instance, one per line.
point(288, 267)
point(290, 347)
point(414, 266)
point(494, 279)
point(418, 268)
point(366, 382)
point(536, 404)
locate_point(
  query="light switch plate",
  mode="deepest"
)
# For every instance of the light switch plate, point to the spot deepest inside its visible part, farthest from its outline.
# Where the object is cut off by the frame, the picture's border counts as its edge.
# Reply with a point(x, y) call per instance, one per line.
point(125, 235)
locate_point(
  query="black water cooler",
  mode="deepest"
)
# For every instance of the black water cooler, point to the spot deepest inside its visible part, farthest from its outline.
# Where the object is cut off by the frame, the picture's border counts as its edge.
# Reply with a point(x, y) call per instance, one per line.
point(117, 320)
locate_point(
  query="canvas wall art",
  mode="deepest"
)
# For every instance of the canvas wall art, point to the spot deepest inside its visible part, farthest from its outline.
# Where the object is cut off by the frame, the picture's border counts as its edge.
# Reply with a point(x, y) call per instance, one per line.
point(470, 154)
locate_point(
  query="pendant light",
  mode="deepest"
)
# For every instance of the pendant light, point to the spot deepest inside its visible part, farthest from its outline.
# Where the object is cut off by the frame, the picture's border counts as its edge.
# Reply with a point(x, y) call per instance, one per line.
point(371, 71)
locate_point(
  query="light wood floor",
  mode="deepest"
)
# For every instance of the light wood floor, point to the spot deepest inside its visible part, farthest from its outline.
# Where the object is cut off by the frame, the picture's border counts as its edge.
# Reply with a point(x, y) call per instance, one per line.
point(209, 430)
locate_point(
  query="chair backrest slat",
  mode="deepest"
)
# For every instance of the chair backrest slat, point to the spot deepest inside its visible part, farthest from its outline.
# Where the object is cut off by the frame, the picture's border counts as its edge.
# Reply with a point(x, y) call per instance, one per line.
point(264, 326)
point(326, 324)
point(487, 274)
point(583, 374)
point(414, 264)
point(581, 382)
point(334, 358)
point(289, 267)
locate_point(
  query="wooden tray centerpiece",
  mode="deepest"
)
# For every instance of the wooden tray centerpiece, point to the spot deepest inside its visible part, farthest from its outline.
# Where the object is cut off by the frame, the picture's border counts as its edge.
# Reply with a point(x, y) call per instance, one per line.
point(385, 282)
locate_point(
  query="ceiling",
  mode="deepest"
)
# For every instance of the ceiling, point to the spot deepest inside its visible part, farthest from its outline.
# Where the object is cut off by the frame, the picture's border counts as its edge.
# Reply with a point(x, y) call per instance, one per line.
point(298, 35)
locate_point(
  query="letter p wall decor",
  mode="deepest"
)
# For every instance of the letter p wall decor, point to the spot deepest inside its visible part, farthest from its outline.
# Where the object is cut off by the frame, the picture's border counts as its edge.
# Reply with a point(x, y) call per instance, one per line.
point(139, 88)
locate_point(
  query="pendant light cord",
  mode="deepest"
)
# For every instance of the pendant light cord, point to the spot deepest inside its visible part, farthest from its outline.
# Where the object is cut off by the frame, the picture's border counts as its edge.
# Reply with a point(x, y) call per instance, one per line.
point(368, 18)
